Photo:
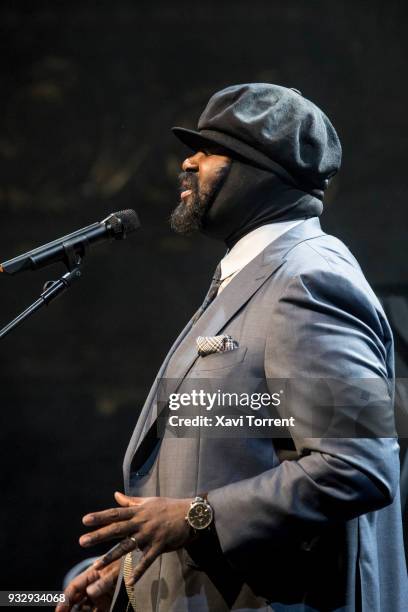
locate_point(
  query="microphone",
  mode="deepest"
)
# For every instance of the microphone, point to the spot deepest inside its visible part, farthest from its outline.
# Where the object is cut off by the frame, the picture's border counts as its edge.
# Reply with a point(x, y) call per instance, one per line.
point(71, 248)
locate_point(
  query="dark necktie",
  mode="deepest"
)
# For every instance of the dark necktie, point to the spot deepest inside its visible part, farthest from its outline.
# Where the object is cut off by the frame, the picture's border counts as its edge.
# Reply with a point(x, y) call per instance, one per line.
point(211, 294)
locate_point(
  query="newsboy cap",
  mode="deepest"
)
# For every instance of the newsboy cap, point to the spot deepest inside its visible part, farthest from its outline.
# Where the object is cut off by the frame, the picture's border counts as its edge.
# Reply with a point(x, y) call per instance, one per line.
point(273, 127)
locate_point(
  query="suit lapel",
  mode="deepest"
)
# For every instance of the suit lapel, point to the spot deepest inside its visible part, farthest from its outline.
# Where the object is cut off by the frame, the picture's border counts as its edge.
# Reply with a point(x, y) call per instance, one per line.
point(143, 421)
point(147, 414)
point(237, 293)
point(219, 312)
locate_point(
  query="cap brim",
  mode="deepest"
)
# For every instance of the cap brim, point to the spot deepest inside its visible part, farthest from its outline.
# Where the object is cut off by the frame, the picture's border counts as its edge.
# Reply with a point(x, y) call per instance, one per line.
point(196, 141)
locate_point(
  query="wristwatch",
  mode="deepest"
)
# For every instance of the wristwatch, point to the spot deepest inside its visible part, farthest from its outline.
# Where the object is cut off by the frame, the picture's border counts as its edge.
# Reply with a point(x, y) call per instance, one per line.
point(200, 514)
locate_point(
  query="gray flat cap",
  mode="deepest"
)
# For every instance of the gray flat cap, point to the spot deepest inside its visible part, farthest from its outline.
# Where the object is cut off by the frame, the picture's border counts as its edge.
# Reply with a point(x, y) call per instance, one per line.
point(271, 126)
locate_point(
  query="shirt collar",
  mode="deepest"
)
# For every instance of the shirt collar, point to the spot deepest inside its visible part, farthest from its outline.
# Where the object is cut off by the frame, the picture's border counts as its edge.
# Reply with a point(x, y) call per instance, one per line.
point(250, 245)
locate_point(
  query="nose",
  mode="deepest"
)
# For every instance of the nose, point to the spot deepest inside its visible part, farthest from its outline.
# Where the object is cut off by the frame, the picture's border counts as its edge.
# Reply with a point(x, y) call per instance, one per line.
point(190, 164)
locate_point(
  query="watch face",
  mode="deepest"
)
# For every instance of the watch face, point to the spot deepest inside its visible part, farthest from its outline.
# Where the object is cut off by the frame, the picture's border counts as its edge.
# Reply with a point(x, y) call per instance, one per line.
point(200, 515)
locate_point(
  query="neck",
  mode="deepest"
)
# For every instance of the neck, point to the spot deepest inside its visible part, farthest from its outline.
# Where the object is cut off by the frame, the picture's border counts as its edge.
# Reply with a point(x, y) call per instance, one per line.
point(251, 197)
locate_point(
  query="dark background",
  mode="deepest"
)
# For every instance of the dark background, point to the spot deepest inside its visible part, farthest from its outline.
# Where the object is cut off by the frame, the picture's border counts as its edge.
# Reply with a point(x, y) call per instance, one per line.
point(88, 93)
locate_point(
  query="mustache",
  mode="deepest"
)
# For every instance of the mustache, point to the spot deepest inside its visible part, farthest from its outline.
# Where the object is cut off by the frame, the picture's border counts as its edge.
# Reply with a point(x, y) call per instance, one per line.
point(188, 180)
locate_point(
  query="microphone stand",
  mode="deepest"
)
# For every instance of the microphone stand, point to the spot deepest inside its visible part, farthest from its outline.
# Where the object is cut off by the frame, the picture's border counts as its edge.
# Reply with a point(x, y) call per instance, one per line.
point(52, 289)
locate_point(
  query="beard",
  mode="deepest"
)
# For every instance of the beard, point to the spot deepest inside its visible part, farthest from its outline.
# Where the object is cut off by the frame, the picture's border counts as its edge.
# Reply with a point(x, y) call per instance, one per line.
point(189, 215)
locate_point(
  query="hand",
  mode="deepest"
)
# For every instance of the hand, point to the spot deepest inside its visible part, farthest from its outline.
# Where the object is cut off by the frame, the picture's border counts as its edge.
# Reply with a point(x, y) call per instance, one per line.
point(154, 525)
point(93, 589)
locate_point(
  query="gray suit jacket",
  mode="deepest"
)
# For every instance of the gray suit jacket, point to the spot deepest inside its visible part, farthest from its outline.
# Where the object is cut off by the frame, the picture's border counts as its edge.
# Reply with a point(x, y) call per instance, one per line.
point(306, 522)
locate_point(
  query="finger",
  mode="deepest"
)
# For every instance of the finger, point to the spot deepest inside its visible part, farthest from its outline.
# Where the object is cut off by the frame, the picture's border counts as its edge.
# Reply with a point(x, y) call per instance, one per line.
point(144, 563)
point(85, 605)
point(102, 586)
point(106, 517)
point(76, 590)
point(127, 500)
point(115, 553)
point(111, 532)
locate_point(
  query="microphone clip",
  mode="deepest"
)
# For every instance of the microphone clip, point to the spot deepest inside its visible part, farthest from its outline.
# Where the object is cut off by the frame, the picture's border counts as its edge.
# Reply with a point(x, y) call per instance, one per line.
point(73, 259)
point(51, 290)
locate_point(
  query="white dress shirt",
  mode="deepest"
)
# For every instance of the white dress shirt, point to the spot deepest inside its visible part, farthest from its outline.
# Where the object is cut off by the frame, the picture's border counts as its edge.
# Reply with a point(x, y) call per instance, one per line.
point(249, 246)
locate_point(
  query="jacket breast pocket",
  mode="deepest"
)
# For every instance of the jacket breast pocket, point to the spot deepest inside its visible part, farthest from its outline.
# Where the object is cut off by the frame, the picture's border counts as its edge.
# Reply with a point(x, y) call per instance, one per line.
point(218, 361)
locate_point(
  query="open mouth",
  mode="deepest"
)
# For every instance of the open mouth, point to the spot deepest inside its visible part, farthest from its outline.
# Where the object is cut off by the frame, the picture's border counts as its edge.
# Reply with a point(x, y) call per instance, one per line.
point(184, 194)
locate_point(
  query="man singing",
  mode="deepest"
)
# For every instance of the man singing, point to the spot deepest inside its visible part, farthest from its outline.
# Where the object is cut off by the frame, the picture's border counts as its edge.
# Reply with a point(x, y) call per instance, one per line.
point(303, 522)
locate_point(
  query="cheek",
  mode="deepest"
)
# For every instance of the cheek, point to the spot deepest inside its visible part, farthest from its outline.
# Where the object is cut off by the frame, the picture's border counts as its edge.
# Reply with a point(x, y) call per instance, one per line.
point(209, 173)
point(205, 180)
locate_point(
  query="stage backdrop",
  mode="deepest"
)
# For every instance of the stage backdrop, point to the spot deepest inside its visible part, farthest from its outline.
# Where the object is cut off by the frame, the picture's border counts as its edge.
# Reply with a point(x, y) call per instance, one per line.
point(89, 91)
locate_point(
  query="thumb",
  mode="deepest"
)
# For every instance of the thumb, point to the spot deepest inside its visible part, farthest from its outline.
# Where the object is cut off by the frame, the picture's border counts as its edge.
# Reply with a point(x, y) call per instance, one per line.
point(126, 500)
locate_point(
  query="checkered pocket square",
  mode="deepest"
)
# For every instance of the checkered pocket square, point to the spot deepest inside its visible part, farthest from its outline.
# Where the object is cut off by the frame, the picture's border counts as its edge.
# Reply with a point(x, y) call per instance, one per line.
point(215, 344)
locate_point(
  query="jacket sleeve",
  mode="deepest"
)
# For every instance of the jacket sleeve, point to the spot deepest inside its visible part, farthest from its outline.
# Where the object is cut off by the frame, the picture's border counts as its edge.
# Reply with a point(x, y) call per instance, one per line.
point(325, 327)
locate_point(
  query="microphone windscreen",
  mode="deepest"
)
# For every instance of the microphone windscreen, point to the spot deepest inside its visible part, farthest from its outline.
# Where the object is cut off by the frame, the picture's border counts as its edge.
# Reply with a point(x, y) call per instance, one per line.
point(128, 219)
